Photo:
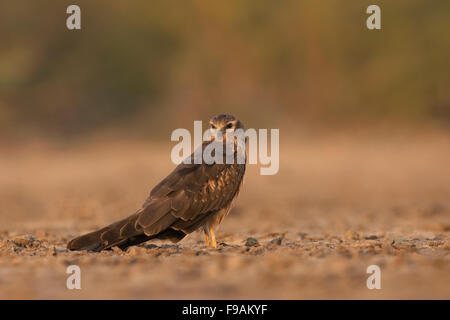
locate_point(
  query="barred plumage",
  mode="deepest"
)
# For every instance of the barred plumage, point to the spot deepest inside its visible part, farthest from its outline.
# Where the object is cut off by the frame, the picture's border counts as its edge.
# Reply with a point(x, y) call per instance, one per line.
point(192, 197)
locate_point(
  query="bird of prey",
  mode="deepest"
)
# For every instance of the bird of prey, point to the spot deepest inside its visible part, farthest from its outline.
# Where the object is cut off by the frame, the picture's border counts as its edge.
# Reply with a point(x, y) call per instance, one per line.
point(192, 197)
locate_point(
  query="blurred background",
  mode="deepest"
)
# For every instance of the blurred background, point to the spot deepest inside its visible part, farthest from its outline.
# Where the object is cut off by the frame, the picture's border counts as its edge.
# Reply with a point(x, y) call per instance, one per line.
point(364, 119)
point(145, 66)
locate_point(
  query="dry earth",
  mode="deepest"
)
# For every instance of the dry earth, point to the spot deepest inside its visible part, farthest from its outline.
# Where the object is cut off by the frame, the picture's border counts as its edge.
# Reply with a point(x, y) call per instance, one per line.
point(338, 205)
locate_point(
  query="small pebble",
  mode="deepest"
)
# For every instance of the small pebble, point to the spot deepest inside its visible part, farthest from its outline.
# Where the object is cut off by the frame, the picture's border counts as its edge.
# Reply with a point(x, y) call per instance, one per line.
point(135, 251)
point(26, 241)
point(251, 242)
point(277, 241)
point(51, 251)
point(351, 235)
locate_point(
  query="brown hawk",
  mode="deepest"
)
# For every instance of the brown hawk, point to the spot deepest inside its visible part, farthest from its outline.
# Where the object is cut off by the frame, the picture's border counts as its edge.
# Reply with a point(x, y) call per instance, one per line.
point(192, 197)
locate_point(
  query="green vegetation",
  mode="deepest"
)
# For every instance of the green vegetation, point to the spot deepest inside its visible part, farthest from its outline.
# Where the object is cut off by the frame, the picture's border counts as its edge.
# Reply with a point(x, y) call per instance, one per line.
point(135, 61)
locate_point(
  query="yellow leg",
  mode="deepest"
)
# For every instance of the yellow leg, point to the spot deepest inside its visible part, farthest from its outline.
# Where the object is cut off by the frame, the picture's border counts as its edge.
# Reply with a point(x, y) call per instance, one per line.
point(213, 238)
point(207, 239)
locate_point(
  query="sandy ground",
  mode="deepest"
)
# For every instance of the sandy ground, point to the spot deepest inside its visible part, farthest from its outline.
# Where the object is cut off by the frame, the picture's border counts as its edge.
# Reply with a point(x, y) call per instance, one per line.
point(338, 205)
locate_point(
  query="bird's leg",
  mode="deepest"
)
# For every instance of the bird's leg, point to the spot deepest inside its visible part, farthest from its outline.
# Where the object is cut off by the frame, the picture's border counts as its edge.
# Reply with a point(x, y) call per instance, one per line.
point(213, 238)
point(207, 239)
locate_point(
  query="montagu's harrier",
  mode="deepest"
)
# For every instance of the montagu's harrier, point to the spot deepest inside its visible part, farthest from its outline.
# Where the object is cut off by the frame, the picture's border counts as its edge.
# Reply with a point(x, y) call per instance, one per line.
point(192, 197)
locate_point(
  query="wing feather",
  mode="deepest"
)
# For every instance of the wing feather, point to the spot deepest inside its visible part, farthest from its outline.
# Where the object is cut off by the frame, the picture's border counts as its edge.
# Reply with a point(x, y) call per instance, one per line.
point(188, 194)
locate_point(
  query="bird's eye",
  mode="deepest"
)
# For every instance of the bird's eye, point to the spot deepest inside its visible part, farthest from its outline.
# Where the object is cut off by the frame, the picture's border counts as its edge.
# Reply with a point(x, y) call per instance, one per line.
point(213, 126)
point(229, 126)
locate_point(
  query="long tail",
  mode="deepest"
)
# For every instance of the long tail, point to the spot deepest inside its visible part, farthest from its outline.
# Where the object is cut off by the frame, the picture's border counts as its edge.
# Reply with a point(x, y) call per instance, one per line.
point(122, 233)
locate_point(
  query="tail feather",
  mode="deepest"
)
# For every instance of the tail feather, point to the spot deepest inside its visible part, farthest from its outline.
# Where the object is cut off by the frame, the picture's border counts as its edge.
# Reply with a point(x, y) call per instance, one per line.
point(123, 233)
point(115, 234)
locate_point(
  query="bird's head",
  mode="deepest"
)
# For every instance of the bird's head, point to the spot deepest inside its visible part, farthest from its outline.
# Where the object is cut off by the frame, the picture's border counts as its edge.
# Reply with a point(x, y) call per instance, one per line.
point(224, 123)
point(228, 129)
